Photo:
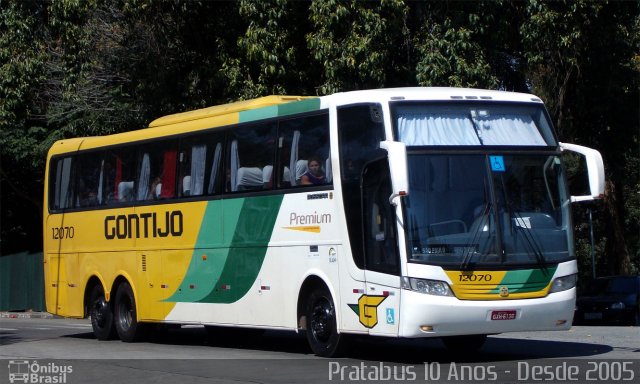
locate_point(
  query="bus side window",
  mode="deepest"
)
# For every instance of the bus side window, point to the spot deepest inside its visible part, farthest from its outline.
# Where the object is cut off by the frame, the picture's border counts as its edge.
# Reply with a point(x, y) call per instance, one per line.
point(199, 163)
point(88, 180)
point(251, 156)
point(117, 175)
point(301, 139)
point(157, 172)
point(215, 174)
point(60, 192)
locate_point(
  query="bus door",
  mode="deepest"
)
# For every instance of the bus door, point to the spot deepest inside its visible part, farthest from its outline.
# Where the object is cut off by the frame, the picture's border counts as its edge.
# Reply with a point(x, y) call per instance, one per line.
point(60, 259)
point(381, 258)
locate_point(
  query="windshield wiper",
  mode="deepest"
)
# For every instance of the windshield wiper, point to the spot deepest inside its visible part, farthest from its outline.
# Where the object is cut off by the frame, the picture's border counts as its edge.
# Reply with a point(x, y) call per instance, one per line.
point(475, 126)
point(527, 235)
point(470, 250)
point(530, 239)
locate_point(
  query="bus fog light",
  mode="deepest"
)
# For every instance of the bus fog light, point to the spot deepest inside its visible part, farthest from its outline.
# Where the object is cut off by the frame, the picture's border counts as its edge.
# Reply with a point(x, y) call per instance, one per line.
point(561, 322)
point(430, 287)
point(426, 328)
point(563, 283)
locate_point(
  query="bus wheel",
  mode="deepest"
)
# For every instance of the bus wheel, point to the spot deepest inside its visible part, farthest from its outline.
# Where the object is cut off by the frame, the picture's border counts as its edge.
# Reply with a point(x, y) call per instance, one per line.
point(322, 330)
point(467, 343)
point(101, 315)
point(126, 320)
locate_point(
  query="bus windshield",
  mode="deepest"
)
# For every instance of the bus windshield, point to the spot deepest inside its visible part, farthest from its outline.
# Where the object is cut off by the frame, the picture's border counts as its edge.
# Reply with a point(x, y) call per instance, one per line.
point(484, 210)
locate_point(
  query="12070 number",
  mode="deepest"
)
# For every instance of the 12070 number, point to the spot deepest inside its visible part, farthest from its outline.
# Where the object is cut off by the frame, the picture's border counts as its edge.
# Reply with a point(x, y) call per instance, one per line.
point(62, 232)
point(475, 277)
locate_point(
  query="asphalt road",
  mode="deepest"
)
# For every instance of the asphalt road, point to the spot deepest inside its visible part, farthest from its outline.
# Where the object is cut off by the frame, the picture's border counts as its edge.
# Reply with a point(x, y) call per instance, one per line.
point(65, 351)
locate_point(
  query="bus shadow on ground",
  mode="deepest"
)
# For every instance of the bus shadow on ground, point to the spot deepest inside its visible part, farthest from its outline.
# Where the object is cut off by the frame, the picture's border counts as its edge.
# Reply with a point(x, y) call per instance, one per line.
point(403, 351)
point(495, 349)
point(9, 337)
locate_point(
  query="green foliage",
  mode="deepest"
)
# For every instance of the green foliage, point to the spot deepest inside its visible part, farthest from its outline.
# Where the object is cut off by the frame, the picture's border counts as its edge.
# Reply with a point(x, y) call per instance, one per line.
point(355, 43)
point(450, 46)
point(75, 68)
point(22, 64)
point(270, 46)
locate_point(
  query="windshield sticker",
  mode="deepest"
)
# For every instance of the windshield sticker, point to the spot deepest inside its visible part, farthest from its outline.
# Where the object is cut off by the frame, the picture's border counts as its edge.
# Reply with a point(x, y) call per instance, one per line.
point(497, 163)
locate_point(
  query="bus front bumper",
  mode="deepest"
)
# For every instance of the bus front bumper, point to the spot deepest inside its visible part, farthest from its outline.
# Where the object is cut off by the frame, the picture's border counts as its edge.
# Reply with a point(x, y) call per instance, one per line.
point(434, 316)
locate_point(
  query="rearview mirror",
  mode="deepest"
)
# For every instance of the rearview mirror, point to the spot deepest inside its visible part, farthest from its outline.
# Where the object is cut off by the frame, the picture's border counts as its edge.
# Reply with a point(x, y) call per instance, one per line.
point(595, 170)
point(397, 154)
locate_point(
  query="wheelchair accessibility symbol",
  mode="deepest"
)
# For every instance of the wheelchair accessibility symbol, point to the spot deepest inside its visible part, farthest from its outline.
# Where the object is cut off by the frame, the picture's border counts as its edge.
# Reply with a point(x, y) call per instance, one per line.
point(391, 318)
point(497, 163)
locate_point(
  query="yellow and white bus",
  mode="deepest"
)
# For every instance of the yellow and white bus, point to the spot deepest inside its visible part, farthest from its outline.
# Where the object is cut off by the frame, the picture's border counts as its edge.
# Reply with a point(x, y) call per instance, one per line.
point(409, 212)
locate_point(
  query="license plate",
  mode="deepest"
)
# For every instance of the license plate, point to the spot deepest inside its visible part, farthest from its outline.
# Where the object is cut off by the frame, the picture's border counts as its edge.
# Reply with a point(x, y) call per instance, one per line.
point(503, 315)
point(593, 316)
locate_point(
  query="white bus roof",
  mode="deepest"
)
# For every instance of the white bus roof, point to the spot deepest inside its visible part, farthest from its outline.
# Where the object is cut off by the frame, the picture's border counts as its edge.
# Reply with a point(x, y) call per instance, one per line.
point(429, 94)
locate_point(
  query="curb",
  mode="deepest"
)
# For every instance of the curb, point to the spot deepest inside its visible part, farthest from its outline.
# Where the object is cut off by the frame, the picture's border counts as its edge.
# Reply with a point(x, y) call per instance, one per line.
point(27, 315)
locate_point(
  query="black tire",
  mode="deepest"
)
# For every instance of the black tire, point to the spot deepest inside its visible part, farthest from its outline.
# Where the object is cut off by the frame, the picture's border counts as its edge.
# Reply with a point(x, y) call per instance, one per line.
point(322, 328)
point(464, 344)
point(101, 315)
point(126, 315)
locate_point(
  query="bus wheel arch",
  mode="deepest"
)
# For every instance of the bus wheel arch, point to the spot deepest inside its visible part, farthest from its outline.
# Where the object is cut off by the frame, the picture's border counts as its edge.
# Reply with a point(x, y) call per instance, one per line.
point(99, 310)
point(310, 283)
point(317, 314)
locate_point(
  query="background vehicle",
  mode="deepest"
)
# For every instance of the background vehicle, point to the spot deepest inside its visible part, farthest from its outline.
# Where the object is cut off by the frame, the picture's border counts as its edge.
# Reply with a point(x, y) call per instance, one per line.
point(445, 213)
point(612, 299)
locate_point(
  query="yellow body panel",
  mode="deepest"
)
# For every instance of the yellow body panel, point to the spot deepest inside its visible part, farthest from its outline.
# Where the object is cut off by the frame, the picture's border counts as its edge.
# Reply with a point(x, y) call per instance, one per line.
point(140, 256)
point(122, 242)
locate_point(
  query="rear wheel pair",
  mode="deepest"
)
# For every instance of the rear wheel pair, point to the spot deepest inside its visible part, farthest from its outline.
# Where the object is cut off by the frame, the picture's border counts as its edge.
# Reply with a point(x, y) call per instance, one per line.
point(119, 319)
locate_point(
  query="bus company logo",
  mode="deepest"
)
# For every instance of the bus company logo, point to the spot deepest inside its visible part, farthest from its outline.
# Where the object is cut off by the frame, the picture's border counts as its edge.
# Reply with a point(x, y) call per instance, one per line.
point(23, 371)
point(367, 309)
point(146, 225)
point(504, 291)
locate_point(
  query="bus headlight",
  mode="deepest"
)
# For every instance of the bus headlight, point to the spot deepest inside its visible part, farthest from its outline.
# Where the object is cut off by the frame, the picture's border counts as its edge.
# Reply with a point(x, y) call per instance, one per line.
point(430, 287)
point(563, 283)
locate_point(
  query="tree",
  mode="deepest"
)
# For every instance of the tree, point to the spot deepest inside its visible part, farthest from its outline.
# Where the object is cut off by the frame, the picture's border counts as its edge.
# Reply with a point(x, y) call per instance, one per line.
point(77, 68)
point(22, 70)
point(580, 60)
point(450, 47)
point(356, 44)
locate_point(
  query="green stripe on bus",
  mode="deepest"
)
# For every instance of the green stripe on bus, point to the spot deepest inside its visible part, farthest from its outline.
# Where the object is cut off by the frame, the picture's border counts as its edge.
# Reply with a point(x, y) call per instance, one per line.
point(306, 105)
point(258, 114)
point(302, 106)
point(226, 273)
point(211, 250)
point(527, 280)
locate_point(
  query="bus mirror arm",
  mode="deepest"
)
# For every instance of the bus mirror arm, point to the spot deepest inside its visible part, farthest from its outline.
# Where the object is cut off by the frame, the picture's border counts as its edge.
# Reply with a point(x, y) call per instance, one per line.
point(392, 197)
point(397, 155)
point(595, 169)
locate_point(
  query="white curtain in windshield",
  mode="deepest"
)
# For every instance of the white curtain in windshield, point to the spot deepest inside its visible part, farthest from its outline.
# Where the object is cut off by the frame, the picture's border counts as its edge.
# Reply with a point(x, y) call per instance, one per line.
point(419, 126)
point(436, 129)
point(507, 130)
